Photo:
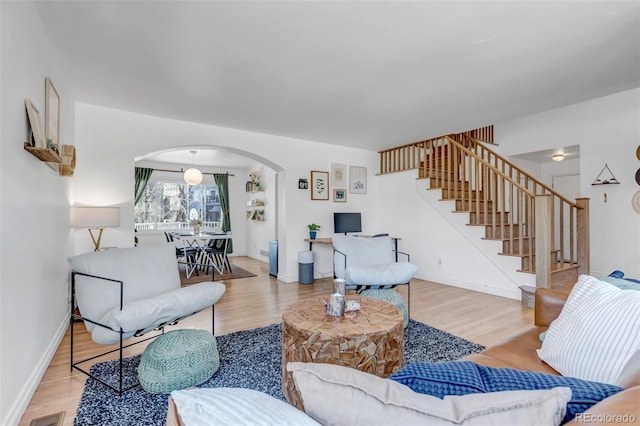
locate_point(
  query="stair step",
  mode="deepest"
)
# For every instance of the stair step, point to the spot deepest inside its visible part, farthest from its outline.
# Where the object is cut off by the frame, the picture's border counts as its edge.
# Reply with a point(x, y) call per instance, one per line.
point(482, 218)
point(472, 205)
point(448, 183)
point(424, 173)
point(524, 260)
point(449, 194)
point(504, 231)
point(562, 274)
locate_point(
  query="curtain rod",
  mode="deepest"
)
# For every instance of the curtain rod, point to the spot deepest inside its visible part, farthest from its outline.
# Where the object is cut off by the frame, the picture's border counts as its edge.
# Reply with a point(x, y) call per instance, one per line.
point(182, 171)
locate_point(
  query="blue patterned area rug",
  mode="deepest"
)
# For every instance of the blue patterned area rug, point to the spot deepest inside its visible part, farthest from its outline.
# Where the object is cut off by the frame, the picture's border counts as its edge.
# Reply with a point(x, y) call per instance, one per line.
point(248, 359)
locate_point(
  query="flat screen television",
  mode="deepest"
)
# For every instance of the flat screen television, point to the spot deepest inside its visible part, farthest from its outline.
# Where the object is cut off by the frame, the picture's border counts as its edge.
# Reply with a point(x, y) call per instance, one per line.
point(344, 223)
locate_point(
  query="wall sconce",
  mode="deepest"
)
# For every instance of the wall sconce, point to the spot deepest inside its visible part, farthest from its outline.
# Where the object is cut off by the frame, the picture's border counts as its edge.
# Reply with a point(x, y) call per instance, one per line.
point(95, 218)
point(558, 157)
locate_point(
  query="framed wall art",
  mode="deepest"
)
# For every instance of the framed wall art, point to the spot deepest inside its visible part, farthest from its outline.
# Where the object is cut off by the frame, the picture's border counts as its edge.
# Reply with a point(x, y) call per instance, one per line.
point(357, 180)
point(51, 112)
point(339, 195)
point(34, 122)
point(338, 175)
point(319, 185)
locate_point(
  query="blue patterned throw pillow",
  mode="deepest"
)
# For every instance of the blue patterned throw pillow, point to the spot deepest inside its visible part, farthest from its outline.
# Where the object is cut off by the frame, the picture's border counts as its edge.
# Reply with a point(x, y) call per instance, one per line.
point(465, 377)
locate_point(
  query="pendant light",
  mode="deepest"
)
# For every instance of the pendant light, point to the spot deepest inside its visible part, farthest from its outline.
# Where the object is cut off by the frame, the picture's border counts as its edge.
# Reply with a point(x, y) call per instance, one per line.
point(193, 176)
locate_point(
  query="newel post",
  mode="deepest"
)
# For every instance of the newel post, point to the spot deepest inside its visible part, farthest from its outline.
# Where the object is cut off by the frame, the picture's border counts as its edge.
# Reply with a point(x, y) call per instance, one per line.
point(583, 243)
point(543, 235)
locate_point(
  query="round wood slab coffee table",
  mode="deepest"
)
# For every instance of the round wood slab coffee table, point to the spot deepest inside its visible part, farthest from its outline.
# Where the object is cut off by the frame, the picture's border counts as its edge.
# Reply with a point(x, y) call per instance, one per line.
point(369, 340)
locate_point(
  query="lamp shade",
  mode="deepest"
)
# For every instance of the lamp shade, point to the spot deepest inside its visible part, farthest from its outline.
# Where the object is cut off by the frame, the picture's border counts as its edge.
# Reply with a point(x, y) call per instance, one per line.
point(193, 176)
point(95, 217)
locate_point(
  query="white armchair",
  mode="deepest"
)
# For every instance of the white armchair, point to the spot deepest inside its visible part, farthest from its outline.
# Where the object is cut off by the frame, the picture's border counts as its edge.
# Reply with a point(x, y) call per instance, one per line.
point(129, 292)
point(370, 263)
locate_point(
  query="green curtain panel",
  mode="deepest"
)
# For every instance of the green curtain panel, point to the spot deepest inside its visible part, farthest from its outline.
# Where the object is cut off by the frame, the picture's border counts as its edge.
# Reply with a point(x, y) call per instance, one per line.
point(222, 181)
point(142, 177)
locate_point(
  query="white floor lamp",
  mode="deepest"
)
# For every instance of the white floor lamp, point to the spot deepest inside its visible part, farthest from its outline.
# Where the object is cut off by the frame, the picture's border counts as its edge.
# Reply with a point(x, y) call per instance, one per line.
point(95, 218)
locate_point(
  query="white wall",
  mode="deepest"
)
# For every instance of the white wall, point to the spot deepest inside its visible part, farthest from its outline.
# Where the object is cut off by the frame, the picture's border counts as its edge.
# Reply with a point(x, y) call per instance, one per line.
point(108, 140)
point(34, 214)
point(608, 132)
point(445, 249)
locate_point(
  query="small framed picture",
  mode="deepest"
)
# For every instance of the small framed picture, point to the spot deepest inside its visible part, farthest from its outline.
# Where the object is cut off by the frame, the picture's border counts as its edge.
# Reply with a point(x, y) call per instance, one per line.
point(303, 184)
point(338, 175)
point(357, 180)
point(51, 112)
point(34, 122)
point(319, 185)
point(339, 195)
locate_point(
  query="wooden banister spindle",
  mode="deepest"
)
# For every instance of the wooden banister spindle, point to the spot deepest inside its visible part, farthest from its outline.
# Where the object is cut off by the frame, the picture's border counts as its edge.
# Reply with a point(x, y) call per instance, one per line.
point(584, 265)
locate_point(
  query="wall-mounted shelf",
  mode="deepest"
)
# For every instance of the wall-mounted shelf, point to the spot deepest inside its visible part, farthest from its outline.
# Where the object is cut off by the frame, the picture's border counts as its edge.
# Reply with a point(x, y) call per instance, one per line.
point(43, 153)
point(255, 205)
point(63, 163)
point(607, 179)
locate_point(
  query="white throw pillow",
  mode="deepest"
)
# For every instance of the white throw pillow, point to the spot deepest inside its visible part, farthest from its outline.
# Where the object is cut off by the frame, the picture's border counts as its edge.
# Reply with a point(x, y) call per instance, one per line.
point(235, 406)
point(596, 333)
point(148, 314)
point(336, 395)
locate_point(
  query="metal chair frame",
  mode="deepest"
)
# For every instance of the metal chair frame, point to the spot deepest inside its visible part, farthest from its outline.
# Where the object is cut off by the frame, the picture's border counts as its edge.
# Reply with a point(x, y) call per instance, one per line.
point(76, 316)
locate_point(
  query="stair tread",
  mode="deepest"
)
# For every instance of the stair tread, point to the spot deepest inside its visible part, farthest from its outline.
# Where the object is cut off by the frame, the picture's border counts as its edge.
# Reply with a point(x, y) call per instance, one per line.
point(564, 266)
point(523, 254)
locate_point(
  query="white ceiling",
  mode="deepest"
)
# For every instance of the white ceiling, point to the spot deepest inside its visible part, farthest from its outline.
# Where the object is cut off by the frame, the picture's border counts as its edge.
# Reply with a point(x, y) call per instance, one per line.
point(360, 73)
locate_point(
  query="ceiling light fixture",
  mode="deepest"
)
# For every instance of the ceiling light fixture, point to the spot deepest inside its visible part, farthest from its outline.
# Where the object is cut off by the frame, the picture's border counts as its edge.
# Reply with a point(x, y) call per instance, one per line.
point(193, 176)
point(558, 157)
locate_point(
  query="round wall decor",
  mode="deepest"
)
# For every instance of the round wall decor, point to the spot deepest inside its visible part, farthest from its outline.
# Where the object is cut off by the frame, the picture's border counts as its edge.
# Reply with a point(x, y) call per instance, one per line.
point(635, 202)
point(638, 176)
point(638, 152)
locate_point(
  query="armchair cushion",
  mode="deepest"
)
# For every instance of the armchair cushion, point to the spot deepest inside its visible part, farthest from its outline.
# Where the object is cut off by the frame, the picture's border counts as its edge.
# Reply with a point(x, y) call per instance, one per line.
point(369, 262)
point(152, 294)
point(148, 314)
point(392, 273)
point(153, 269)
point(361, 251)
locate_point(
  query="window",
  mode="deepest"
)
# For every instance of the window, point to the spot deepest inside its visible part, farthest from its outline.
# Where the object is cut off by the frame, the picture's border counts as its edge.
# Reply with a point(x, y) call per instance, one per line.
point(168, 205)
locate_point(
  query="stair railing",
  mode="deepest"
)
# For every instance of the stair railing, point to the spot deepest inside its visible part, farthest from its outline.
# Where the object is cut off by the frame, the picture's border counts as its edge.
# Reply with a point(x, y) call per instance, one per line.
point(499, 195)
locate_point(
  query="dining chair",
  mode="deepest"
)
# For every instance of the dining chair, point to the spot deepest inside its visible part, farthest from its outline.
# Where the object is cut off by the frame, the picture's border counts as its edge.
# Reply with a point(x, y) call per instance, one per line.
point(188, 253)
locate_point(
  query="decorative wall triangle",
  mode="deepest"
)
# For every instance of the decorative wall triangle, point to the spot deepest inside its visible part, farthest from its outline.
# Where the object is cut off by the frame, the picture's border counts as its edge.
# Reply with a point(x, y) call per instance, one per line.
point(605, 177)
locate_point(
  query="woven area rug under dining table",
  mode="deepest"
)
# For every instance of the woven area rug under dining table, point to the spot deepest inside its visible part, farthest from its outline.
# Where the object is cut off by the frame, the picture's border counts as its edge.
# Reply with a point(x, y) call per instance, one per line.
point(248, 359)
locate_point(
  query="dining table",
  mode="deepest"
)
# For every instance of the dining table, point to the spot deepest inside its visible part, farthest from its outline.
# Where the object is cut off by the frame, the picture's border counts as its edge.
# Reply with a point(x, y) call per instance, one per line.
point(203, 242)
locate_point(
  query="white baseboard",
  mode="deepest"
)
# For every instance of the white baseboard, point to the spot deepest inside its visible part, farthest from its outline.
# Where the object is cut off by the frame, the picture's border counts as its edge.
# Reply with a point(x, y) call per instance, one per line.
point(502, 292)
point(21, 403)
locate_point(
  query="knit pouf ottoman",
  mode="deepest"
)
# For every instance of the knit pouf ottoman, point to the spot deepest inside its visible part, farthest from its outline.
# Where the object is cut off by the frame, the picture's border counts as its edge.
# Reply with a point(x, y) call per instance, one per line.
point(390, 296)
point(178, 359)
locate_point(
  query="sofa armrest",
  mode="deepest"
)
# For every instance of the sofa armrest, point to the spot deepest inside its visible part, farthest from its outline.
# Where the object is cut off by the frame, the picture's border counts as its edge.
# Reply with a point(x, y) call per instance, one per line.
point(548, 305)
point(621, 408)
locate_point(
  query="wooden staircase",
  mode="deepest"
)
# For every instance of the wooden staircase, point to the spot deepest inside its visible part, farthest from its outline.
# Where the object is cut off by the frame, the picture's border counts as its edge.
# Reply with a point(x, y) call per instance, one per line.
point(521, 212)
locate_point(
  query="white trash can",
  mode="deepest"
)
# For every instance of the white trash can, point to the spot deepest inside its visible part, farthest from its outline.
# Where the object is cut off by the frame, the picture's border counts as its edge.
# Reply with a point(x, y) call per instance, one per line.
point(305, 267)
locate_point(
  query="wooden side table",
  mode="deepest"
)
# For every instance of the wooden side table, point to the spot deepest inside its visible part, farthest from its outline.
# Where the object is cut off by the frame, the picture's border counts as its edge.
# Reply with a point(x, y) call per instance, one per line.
point(369, 340)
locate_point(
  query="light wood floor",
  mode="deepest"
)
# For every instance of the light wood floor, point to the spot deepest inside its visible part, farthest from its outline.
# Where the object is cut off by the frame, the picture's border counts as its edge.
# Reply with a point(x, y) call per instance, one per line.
point(258, 301)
